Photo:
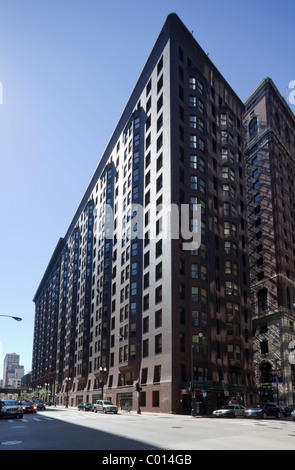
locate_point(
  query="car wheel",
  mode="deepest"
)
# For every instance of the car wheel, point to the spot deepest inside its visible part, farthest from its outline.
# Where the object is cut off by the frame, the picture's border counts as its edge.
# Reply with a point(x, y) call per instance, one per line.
point(20, 416)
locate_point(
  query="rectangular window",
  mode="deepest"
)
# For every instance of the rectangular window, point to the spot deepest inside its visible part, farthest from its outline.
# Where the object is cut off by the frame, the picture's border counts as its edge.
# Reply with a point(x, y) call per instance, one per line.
point(223, 119)
point(202, 186)
point(133, 308)
point(195, 294)
point(228, 288)
point(227, 248)
point(201, 106)
point(256, 197)
point(194, 182)
point(192, 101)
point(158, 318)
point(192, 83)
point(229, 308)
point(158, 344)
point(145, 348)
point(200, 87)
point(255, 173)
point(193, 160)
point(264, 347)
point(204, 296)
point(226, 228)
point(202, 145)
point(193, 141)
point(195, 318)
point(230, 351)
point(158, 294)
point(255, 161)
point(195, 271)
point(201, 125)
point(224, 153)
point(225, 190)
point(159, 271)
point(133, 288)
point(193, 121)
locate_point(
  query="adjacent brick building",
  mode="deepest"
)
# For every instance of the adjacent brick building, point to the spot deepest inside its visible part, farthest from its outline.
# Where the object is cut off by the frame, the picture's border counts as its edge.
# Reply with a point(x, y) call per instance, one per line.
point(270, 167)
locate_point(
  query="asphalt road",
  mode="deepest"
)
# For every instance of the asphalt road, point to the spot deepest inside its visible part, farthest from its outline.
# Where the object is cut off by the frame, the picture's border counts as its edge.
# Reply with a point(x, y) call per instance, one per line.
point(70, 429)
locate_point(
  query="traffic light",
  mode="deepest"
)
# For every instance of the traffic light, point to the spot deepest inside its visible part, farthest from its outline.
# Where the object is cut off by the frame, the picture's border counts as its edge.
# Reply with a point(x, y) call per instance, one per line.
point(138, 387)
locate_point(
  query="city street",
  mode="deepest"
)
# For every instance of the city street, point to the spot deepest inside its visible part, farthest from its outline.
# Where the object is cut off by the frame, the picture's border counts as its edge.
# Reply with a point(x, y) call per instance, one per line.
point(70, 429)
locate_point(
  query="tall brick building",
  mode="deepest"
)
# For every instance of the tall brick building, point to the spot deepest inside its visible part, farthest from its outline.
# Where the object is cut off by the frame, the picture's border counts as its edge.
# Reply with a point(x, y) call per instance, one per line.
point(137, 306)
point(270, 166)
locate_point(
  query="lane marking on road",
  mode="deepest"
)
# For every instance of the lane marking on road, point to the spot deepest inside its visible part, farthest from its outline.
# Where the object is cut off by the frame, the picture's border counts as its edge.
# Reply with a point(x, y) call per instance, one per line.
point(11, 443)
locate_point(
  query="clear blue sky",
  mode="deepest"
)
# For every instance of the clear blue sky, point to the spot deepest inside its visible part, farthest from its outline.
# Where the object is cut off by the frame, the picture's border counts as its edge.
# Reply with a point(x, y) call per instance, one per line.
point(67, 69)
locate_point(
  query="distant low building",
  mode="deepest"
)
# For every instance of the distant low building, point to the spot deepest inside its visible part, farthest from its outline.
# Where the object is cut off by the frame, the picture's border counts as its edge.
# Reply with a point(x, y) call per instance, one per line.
point(12, 369)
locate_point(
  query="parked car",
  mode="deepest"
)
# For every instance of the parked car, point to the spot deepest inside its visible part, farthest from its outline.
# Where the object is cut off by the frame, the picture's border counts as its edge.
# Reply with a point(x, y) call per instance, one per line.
point(293, 415)
point(85, 407)
point(40, 405)
point(10, 408)
point(29, 407)
point(288, 410)
point(229, 411)
point(263, 410)
point(105, 406)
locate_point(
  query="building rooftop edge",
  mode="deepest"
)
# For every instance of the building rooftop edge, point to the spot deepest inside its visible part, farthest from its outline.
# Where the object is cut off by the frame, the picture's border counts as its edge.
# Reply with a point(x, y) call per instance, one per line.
point(172, 21)
point(270, 82)
point(58, 249)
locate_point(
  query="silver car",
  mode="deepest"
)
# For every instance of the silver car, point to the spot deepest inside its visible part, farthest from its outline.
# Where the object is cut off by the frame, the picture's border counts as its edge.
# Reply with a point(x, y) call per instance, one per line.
point(10, 408)
point(230, 411)
point(105, 406)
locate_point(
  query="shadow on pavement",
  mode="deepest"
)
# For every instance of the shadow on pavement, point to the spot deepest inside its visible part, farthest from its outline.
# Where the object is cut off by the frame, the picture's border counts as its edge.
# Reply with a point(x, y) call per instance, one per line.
point(56, 434)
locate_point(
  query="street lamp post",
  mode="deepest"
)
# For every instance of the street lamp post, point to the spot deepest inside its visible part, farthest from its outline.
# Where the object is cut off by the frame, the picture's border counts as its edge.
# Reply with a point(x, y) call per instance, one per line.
point(67, 380)
point(192, 382)
point(10, 316)
point(46, 386)
point(102, 371)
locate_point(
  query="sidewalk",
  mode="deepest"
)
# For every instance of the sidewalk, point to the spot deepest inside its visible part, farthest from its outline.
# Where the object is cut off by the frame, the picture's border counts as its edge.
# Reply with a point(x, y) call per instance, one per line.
point(132, 412)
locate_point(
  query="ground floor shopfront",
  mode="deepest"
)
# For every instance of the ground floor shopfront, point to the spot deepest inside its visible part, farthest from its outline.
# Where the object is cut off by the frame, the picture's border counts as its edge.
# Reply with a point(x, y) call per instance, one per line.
point(148, 398)
point(164, 398)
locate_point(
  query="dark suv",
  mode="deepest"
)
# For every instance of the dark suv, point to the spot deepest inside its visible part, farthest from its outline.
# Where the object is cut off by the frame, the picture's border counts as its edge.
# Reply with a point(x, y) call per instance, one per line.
point(263, 410)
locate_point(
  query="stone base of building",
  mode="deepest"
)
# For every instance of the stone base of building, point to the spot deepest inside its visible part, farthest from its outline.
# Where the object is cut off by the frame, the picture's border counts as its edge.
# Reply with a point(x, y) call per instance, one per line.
point(159, 398)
